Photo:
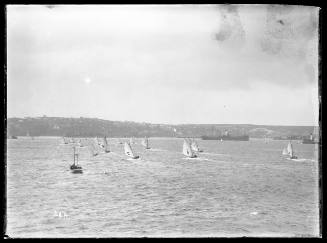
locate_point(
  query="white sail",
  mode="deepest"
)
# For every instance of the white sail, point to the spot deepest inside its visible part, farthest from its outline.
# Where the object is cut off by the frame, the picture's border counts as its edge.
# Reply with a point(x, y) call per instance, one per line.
point(285, 151)
point(99, 142)
point(128, 150)
point(290, 149)
point(106, 145)
point(195, 146)
point(65, 140)
point(93, 147)
point(145, 143)
point(131, 141)
point(187, 149)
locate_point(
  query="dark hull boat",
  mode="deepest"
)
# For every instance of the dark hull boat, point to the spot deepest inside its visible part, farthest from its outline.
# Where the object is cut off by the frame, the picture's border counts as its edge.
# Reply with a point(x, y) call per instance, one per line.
point(309, 141)
point(75, 168)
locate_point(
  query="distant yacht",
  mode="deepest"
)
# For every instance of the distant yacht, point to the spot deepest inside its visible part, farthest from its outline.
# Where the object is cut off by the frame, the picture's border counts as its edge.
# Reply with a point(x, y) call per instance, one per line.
point(145, 143)
point(131, 140)
point(75, 168)
point(195, 146)
point(29, 136)
point(99, 142)
point(106, 145)
point(65, 140)
point(290, 151)
point(129, 152)
point(93, 147)
point(187, 150)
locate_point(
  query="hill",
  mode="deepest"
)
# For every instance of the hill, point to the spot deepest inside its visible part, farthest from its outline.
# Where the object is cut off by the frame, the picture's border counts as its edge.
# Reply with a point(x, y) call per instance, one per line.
point(91, 127)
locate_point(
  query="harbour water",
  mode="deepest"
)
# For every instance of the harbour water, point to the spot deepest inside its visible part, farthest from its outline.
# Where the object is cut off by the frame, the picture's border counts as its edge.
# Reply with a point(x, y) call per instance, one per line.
point(232, 189)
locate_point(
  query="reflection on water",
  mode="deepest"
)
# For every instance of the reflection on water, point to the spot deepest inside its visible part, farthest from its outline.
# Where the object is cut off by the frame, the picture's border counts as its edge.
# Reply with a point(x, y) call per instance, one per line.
point(232, 189)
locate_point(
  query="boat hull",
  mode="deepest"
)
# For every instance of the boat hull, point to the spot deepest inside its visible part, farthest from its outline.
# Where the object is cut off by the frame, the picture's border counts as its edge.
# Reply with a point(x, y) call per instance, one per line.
point(77, 171)
point(309, 141)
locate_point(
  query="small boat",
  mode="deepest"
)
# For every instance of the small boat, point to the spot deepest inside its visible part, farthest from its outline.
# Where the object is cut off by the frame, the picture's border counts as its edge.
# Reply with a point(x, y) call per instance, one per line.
point(99, 142)
point(129, 152)
point(93, 148)
point(195, 146)
point(291, 151)
point(187, 150)
point(13, 137)
point(145, 143)
point(65, 140)
point(75, 168)
point(131, 141)
point(106, 145)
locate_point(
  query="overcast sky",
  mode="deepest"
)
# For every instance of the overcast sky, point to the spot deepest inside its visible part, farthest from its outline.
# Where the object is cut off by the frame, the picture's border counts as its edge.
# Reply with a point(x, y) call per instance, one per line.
point(164, 64)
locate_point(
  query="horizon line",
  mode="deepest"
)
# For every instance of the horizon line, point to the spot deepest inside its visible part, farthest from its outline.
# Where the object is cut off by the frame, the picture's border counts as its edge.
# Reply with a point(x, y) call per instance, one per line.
point(172, 124)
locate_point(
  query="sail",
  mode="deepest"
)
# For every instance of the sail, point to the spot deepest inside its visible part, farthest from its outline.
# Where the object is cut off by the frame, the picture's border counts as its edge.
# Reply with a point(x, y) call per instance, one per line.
point(128, 150)
point(145, 143)
point(285, 151)
point(106, 145)
point(290, 149)
point(131, 141)
point(93, 147)
point(195, 146)
point(187, 149)
point(65, 140)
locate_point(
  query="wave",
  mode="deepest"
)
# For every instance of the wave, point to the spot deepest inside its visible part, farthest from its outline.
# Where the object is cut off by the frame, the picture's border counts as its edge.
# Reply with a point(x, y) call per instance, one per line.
point(302, 160)
point(215, 154)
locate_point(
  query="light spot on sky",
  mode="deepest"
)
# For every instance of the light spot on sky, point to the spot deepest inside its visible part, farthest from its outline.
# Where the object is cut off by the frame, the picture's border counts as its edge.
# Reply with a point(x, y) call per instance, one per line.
point(87, 80)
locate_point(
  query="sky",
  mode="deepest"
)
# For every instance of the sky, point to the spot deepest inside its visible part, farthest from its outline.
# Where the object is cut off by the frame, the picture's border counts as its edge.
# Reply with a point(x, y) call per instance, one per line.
point(172, 64)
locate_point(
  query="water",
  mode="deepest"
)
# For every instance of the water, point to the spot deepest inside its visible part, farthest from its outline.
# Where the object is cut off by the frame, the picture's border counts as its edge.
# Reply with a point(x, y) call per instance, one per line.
point(232, 189)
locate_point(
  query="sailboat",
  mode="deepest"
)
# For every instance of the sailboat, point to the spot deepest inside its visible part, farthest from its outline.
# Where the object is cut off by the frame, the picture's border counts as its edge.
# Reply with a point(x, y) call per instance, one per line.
point(129, 152)
point(285, 151)
point(93, 148)
point(145, 143)
point(75, 168)
point(106, 145)
point(195, 146)
point(65, 140)
point(290, 151)
point(131, 141)
point(187, 150)
point(80, 142)
point(99, 142)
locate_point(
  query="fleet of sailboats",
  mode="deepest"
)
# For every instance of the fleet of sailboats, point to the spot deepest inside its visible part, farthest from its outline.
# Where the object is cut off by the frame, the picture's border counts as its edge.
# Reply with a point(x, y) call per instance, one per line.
point(190, 148)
